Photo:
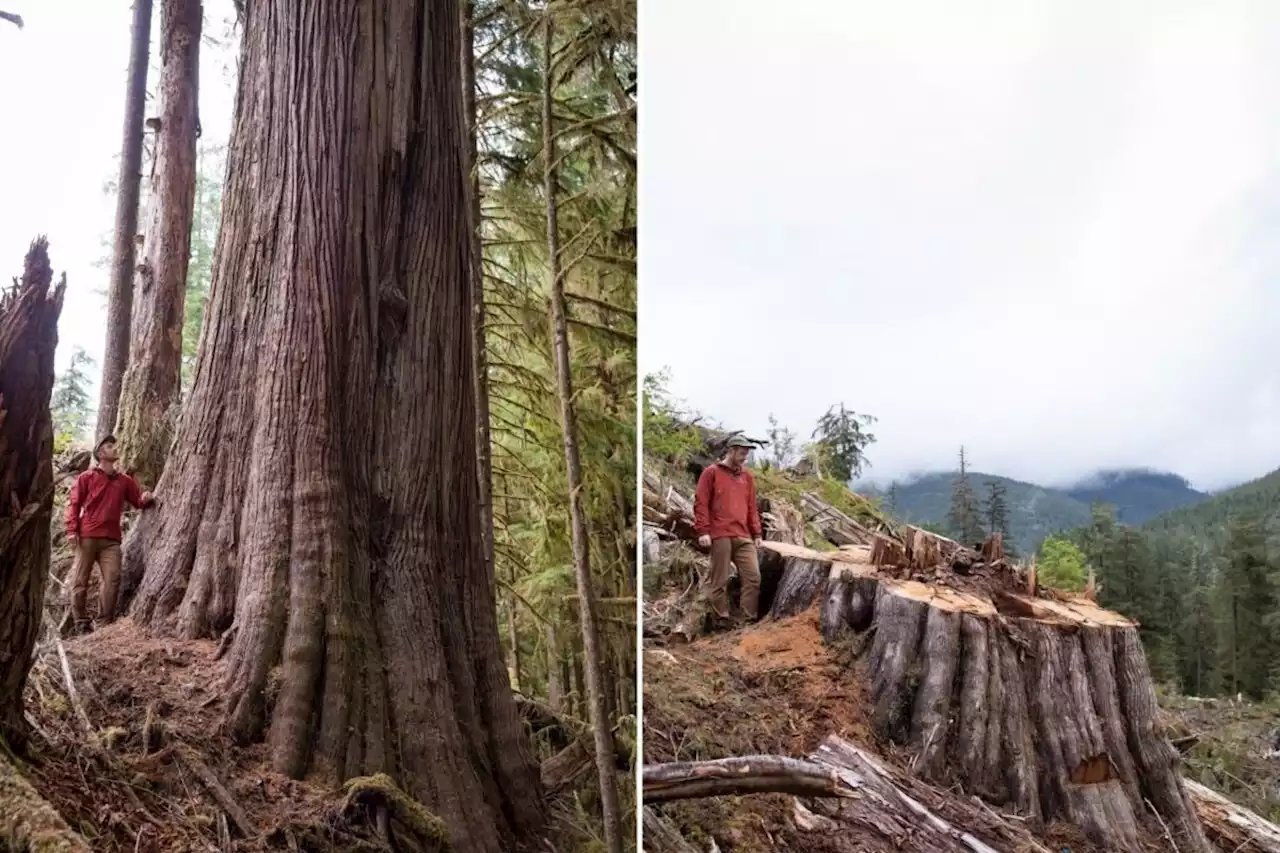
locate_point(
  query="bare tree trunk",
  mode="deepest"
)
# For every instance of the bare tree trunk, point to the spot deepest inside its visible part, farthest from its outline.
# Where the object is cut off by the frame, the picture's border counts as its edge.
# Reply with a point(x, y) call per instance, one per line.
point(295, 509)
point(596, 695)
point(153, 380)
point(555, 676)
point(478, 343)
point(513, 634)
point(28, 337)
point(120, 294)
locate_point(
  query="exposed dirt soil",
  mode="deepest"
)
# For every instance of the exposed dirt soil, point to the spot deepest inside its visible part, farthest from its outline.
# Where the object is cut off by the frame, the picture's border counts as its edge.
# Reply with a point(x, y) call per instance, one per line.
point(771, 688)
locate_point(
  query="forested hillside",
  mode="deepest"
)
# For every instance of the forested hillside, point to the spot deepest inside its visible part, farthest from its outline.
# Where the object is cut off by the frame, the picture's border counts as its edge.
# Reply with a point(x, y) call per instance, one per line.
point(1203, 582)
point(1037, 511)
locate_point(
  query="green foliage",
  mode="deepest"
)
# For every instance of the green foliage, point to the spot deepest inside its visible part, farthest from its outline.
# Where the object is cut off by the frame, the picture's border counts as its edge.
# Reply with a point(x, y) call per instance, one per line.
point(211, 166)
point(1061, 565)
point(595, 116)
point(667, 434)
point(782, 442)
point(842, 442)
point(70, 405)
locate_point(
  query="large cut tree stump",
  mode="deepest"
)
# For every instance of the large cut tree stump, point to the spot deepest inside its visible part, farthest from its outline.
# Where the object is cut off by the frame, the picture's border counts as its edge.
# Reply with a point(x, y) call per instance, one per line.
point(1042, 706)
point(28, 337)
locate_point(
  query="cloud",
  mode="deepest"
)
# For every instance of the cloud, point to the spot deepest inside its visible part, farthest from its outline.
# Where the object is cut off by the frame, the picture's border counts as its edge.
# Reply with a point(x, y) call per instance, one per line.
point(1044, 233)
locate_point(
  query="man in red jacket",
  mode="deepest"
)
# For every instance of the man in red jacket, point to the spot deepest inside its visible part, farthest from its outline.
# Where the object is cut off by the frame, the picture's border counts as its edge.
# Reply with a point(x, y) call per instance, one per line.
point(93, 529)
point(728, 522)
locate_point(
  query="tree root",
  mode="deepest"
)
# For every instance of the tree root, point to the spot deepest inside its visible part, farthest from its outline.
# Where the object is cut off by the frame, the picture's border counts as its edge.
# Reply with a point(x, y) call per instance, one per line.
point(27, 820)
point(380, 792)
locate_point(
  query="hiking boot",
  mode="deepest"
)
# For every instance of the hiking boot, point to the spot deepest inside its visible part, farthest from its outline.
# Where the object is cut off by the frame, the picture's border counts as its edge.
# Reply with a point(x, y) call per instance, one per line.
point(720, 623)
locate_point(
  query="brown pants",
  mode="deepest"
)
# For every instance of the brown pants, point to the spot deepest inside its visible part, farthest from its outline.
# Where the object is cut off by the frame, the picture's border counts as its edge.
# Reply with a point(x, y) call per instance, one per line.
point(106, 553)
point(742, 553)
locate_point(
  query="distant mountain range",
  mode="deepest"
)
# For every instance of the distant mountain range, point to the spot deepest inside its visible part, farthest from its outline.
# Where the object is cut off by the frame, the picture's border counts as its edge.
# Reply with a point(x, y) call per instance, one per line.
point(1139, 495)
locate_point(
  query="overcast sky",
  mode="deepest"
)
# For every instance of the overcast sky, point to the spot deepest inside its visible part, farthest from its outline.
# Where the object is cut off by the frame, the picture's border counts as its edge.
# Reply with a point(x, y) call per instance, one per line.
point(1047, 231)
point(62, 113)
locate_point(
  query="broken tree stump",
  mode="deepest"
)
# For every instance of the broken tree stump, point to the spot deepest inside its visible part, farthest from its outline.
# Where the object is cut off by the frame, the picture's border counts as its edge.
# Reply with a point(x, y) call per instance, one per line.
point(1054, 715)
point(1042, 706)
point(28, 337)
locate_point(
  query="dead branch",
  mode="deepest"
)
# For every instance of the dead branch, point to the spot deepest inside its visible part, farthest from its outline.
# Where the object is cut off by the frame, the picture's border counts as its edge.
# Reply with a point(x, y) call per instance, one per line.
point(72, 693)
point(218, 790)
point(754, 774)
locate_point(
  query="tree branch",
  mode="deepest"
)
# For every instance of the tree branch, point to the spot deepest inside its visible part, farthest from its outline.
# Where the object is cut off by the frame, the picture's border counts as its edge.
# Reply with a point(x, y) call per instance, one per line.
point(753, 774)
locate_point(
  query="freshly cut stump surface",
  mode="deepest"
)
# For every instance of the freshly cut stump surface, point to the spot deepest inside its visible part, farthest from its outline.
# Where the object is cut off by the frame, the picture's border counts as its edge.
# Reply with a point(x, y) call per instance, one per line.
point(1042, 707)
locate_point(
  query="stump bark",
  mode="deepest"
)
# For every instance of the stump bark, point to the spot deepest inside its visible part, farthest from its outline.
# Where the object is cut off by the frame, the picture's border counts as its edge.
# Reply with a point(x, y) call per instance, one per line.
point(1044, 707)
point(28, 337)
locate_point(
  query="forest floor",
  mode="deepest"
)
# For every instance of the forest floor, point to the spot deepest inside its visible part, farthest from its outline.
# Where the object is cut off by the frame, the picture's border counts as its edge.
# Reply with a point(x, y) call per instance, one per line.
point(133, 763)
point(1232, 745)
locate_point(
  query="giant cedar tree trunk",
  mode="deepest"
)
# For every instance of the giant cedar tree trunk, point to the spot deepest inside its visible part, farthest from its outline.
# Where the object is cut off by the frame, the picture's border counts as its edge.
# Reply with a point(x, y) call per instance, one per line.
point(320, 499)
point(28, 338)
point(120, 293)
point(596, 690)
point(149, 395)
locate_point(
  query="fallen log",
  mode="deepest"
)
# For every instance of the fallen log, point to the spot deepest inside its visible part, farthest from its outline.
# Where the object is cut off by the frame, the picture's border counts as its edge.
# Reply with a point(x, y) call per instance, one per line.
point(836, 526)
point(667, 509)
point(1232, 827)
point(753, 774)
point(660, 836)
point(842, 788)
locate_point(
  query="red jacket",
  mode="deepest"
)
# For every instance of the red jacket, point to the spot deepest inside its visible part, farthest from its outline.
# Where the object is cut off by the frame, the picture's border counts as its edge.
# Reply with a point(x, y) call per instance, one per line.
point(97, 502)
point(725, 504)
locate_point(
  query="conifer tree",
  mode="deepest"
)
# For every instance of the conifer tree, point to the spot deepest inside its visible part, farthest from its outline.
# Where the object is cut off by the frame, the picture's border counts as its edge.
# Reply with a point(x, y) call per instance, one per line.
point(964, 517)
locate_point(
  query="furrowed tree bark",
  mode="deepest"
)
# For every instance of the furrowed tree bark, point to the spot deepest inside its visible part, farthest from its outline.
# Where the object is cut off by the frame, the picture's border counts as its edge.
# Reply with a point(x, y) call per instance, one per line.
point(152, 382)
point(1041, 706)
point(478, 343)
point(594, 675)
point(28, 337)
point(120, 293)
point(319, 505)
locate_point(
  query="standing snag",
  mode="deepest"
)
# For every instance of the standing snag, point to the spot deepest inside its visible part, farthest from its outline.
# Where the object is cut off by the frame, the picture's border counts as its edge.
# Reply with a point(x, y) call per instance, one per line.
point(28, 337)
